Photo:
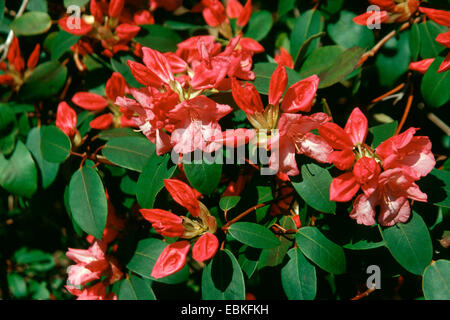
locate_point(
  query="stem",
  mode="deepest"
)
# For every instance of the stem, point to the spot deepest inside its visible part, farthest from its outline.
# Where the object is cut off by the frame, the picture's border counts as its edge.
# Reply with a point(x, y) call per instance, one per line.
point(364, 294)
point(387, 94)
point(406, 112)
point(243, 214)
point(5, 47)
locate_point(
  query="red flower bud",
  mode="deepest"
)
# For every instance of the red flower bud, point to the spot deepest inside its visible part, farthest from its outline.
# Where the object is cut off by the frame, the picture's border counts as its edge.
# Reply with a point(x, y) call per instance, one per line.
point(115, 8)
point(102, 122)
point(71, 27)
point(183, 195)
point(66, 119)
point(89, 101)
point(439, 16)
point(127, 31)
point(205, 247)
point(245, 14)
point(34, 57)
point(164, 222)
point(421, 66)
point(278, 83)
point(115, 86)
point(172, 259)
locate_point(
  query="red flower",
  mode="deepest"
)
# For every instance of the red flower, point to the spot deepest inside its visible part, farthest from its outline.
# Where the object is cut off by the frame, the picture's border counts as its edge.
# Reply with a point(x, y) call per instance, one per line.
point(115, 8)
point(205, 247)
point(164, 222)
point(300, 96)
point(247, 98)
point(66, 119)
point(439, 16)
point(371, 18)
point(444, 39)
point(69, 26)
point(171, 260)
point(278, 83)
point(284, 58)
point(90, 101)
point(102, 122)
point(183, 195)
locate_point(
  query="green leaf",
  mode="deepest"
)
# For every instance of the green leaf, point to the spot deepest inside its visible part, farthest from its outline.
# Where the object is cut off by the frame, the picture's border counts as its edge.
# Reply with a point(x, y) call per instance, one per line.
point(331, 64)
point(298, 277)
point(382, 132)
point(37, 5)
point(135, 288)
point(414, 41)
point(17, 285)
point(158, 37)
point(45, 81)
point(429, 30)
point(320, 250)
point(309, 23)
point(62, 44)
point(204, 176)
point(118, 132)
point(87, 201)
point(363, 238)
point(151, 180)
point(259, 25)
point(315, 188)
point(393, 60)
point(8, 129)
point(49, 170)
point(284, 6)
point(31, 23)
point(122, 68)
point(437, 186)
point(78, 3)
point(304, 48)
point(263, 73)
point(434, 86)
point(36, 260)
point(348, 34)
point(129, 152)
point(253, 235)
point(248, 259)
point(409, 243)
point(436, 281)
point(222, 278)
point(18, 174)
point(144, 258)
point(228, 203)
point(55, 145)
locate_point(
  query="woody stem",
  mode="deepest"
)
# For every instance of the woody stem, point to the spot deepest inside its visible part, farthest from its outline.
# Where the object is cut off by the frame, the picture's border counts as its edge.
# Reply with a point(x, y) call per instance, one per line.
point(5, 47)
point(364, 294)
point(406, 112)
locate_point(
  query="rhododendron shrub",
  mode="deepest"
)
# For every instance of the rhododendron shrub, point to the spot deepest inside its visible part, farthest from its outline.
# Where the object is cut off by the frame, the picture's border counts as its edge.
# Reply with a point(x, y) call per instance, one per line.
point(224, 149)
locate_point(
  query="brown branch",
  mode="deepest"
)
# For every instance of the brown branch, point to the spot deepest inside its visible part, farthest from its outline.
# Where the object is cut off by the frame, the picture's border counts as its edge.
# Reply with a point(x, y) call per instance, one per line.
point(364, 294)
point(406, 112)
point(243, 214)
point(390, 92)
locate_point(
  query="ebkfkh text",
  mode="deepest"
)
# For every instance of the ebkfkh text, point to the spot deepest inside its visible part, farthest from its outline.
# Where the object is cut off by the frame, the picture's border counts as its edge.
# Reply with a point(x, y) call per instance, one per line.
point(229, 309)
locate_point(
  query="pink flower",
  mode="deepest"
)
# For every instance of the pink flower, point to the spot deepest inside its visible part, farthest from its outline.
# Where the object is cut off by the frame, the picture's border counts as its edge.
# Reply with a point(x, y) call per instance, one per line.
point(294, 137)
point(96, 292)
point(406, 151)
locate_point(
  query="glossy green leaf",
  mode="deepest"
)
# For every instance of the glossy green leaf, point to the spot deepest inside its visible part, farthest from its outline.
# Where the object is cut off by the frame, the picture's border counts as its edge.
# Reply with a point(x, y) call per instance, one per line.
point(144, 258)
point(429, 30)
point(46, 80)
point(414, 41)
point(382, 132)
point(87, 201)
point(122, 68)
point(48, 170)
point(62, 44)
point(158, 37)
point(17, 285)
point(259, 25)
point(331, 64)
point(308, 24)
point(118, 132)
point(437, 186)
point(320, 250)
point(129, 152)
point(37, 5)
point(435, 86)
point(248, 259)
point(284, 6)
point(314, 187)
point(253, 235)
point(18, 174)
point(78, 3)
point(298, 277)
point(436, 281)
point(135, 288)
point(409, 243)
point(31, 23)
point(204, 176)
point(55, 145)
point(151, 180)
point(229, 202)
point(8, 129)
point(222, 278)
point(348, 34)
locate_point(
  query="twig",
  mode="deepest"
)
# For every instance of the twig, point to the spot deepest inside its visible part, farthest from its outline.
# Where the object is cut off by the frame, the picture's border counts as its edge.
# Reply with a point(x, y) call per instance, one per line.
point(364, 294)
point(406, 112)
point(5, 46)
point(439, 123)
point(390, 92)
point(243, 214)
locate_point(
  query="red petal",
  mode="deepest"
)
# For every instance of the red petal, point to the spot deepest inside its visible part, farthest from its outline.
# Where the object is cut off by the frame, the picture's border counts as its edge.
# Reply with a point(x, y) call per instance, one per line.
point(115, 8)
point(34, 57)
point(66, 119)
point(439, 16)
point(205, 247)
point(284, 58)
point(115, 86)
point(89, 101)
point(69, 25)
point(247, 98)
point(277, 85)
point(387, 5)
point(371, 17)
point(183, 195)
point(144, 75)
point(234, 9)
point(444, 39)
point(158, 64)
point(172, 259)
point(164, 222)
point(335, 136)
point(251, 45)
point(102, 122)
point(343, 160)
point(300, 96)
point(421, 66)
point(245, 14)
point(445, 65)
point(126, 31)
point(357, 126)
point(344, 187)
point(143, 17)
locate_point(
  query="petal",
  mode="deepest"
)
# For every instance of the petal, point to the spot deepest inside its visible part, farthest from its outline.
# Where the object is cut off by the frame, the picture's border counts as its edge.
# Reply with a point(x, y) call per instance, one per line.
point(34, 57)
point(284, 58)
point(444, 39)
point(171, 260)
point(344, 187)
point(247, 98)
point(251, 45)
point(234, 9)
point(164, 222)
point(387, 5)
point(66, 119)
point(278, 83)
point(235, 138)
point(421, 66)
point(126, 31)
point(115, 86)
point(364, 210)
point(115, 8)
point(157, 62)
point(102, 122)
point(144, 75)
point(89, 101)
point(445, 65)
point(441, 17)
point(393, 209)
point(245, 14)
point(315, 147)
point(205, 247)
point(357, 126)
point(183, 195)
point(75, 26)
point(371, 17)
point(300, 96)
point(282, 159)
point(335, 136)
point(366, 169)
point(343, 160)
